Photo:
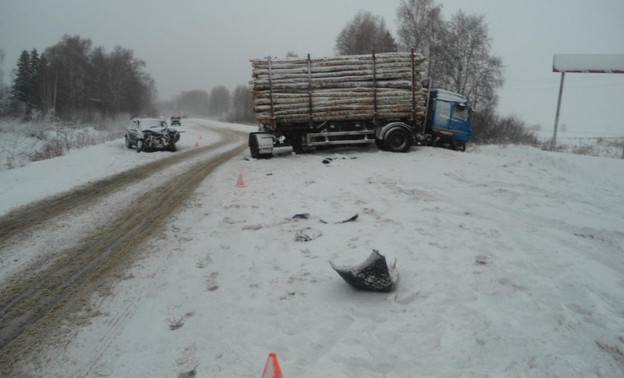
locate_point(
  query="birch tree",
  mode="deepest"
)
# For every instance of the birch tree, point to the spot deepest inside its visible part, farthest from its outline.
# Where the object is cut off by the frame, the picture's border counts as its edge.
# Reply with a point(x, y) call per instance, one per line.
point(421, 27)
point(458, 51)
point(467, 65)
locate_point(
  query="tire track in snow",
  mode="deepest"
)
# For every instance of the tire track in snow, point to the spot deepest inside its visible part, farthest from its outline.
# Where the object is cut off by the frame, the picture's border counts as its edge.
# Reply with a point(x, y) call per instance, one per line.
point(34, 305)
point(17, 222)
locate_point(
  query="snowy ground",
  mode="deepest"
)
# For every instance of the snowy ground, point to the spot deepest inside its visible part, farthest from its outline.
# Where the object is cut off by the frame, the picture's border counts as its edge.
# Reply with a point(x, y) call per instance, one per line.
point(511, 262)
point(608, 144)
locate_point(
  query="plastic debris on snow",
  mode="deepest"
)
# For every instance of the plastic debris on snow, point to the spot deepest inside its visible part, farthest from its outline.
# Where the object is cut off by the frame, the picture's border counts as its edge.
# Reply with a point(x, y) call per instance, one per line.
point(372, 275)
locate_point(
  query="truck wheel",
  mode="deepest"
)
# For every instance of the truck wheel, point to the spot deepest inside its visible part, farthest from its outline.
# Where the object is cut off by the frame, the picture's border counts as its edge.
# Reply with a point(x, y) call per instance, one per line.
point(379, 144)
point(397, 140)
point(460, 146)
point(297, 146)
point(253, 146)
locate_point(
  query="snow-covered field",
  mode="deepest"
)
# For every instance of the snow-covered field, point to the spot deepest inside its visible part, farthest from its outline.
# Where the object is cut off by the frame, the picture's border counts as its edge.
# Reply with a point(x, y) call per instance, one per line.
point(511, 262)
point(609, 144)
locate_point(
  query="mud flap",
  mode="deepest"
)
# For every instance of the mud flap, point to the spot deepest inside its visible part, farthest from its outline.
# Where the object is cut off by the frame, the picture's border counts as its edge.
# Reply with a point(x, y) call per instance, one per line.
point(373, 274)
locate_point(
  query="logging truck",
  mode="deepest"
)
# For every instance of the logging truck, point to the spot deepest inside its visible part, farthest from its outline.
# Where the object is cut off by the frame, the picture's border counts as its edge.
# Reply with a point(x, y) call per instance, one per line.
point(353, 100)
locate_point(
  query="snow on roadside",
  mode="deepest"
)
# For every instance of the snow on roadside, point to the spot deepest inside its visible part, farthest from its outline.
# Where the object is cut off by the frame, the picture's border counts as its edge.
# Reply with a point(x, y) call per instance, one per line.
point(511, 263)
point(40, 179)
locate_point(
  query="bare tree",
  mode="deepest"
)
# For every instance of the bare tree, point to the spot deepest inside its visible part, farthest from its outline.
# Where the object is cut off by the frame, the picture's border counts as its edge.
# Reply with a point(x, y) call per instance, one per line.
point(193, 103)
point(219, 101)
point(69, 60)
point(458, 50)
point(421, 27)
point(363, 34)
point(242, 105)
point(467, 65)
point(113, 81)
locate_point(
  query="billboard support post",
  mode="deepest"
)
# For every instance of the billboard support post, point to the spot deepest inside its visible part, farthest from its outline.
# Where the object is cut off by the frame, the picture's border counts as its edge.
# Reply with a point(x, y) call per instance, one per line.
point(554, 138)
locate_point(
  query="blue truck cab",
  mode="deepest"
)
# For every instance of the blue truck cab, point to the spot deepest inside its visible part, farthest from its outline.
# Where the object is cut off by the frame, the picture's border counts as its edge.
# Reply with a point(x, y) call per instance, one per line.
point(448, 119)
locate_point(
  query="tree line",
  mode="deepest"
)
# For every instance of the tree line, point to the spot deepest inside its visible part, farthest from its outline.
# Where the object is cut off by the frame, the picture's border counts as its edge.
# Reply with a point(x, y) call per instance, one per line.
point(459, 58)
point(72, 79)
point(220, 103)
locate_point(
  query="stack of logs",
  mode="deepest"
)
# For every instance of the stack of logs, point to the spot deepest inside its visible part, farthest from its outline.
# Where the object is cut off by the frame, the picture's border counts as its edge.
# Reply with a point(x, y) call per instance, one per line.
point(357, 87)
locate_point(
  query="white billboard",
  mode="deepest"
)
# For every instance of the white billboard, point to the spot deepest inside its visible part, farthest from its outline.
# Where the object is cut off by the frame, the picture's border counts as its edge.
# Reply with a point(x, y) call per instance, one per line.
point(588, 63)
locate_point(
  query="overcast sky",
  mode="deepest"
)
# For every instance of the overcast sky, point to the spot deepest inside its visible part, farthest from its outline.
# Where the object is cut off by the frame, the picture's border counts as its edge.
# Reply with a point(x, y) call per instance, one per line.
point(200, 44)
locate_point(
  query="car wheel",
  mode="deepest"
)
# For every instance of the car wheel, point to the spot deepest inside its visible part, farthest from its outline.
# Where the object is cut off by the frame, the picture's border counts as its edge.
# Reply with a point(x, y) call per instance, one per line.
point(128, 143)
point(139, 145)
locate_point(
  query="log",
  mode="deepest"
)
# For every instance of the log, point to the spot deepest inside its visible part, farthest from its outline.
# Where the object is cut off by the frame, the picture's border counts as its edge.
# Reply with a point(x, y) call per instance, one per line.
point(338, 88)
point(397, 57)
point(344, 98)
point(338, 116)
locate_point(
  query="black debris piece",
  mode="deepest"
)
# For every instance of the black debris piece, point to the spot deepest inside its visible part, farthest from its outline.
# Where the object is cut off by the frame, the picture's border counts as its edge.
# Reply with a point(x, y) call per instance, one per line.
point(372, 275)
point(301, 216)
point(353, 218)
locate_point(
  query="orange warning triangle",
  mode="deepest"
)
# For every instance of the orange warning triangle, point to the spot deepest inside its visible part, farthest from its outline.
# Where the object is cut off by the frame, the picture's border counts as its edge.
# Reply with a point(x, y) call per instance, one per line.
point(240, 183)
point(272, 368)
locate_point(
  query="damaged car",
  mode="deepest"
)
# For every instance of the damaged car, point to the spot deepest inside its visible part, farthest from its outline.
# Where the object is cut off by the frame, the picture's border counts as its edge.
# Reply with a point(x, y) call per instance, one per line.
point(150, 134)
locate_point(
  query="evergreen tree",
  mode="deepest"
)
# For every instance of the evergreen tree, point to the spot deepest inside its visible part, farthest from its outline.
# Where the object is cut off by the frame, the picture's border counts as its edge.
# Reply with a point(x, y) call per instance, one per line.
point(22, 82)
point(35, 80)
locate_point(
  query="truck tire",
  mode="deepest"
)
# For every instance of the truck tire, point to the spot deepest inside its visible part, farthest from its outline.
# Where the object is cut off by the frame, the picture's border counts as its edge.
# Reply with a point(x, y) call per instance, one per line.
point(397, 140)
point(380, 144)
point(297, 146)
point(254, 148)
point(460, 146)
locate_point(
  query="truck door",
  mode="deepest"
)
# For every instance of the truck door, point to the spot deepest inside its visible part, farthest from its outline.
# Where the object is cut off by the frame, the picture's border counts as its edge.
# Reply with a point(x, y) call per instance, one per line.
point(460, 122)
point(442, 117)
point(452, 119)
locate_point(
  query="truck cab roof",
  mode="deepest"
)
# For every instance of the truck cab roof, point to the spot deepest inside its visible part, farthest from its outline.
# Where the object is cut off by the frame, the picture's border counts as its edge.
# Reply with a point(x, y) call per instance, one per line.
point(445, 95)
